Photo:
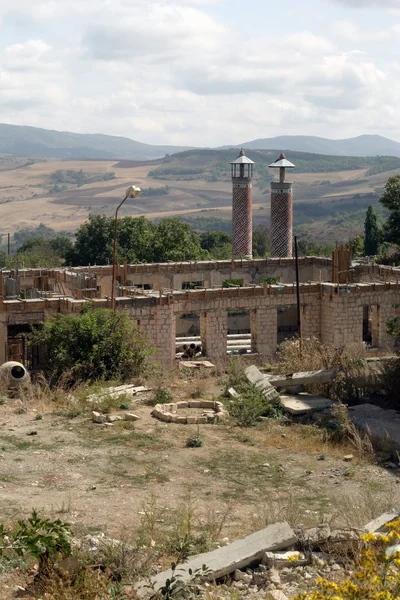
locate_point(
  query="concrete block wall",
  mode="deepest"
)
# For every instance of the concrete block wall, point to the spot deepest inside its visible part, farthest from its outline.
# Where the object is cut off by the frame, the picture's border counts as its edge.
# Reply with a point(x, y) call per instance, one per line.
point(334, 315)
point(213, 333)
point(311, 318)
point(264, 330)
point(159, 327)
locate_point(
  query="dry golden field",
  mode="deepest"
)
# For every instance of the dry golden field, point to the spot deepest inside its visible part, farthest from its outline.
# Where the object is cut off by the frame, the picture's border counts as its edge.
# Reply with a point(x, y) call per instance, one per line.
point(27, 198)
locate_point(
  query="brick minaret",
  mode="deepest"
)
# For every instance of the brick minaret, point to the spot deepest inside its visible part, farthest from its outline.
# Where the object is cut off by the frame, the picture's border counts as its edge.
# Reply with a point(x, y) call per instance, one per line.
point(242, 217)
point(281, 211)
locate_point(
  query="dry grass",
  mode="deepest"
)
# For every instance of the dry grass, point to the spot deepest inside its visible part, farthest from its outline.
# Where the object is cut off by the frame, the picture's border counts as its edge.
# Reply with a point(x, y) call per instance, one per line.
point(358, 509)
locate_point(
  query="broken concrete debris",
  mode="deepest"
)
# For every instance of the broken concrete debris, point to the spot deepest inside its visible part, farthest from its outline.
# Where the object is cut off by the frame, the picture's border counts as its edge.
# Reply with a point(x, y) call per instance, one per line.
point(120, 390)
point(318, 538)
point(295, 404)
point(303, 403)
point(260, 381)
point(109, 419)
point(269, 560)
point(276, 595)
point(378, 525)
point(284, 559)
point(225, 560)
point(302, 378)
point(196, 364)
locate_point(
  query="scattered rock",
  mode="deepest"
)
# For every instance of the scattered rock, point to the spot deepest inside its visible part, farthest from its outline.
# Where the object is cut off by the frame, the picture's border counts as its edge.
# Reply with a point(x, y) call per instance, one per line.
point(240, 576)
point(131, 417)
point(98, 417)
point(284, 559)
point(274, 577)
point(113, 418)
point(276, 595)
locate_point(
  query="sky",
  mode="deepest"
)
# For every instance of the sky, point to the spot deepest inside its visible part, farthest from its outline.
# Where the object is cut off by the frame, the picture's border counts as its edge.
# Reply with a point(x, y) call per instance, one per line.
point(202, 72)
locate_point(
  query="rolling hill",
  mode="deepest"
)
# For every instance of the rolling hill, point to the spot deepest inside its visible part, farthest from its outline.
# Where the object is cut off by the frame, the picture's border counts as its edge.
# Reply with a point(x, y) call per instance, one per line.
point(16, 140)
point(363, 145)
point(331, 193)
point(34, 142)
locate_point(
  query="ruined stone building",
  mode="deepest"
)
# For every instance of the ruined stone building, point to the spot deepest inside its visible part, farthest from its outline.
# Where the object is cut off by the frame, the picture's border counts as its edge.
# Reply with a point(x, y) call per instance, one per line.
point(157, 298)
point(242, 305)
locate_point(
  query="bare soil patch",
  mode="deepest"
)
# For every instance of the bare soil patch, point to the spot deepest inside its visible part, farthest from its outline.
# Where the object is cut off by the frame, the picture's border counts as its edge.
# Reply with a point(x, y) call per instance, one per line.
point(99, 476)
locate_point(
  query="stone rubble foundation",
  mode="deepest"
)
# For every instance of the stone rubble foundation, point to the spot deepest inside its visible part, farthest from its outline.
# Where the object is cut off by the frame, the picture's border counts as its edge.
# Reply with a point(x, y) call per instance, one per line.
point(213, 411)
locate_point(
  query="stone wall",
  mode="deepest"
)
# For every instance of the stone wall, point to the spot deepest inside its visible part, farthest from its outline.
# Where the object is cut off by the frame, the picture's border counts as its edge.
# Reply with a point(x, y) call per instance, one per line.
point(330, 312)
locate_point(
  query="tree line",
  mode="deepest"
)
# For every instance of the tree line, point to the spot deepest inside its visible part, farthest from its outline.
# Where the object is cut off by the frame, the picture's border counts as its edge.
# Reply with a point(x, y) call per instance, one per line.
point(139, 240)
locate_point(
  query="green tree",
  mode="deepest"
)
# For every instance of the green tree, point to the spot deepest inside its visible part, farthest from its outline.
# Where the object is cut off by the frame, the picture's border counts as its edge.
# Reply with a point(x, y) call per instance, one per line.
point(210, 240)
point(61, 245)
point(391, 200)
point(40, 255)
point(371, 233)
point(311, 248)
point(177, 241)
point(136, 238)
point(139, 240)
point(41, 231)
point(94, 242)
point(261, 241)
point(97, 344)
point(357, 246)
point(218, 244)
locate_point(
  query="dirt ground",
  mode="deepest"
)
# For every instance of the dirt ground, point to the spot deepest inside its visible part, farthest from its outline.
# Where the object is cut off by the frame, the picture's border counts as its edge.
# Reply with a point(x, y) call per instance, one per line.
point(98, 477)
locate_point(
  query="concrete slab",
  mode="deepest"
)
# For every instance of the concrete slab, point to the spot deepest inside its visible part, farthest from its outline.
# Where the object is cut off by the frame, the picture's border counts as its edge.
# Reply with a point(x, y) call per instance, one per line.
point(255, 377)
point(196, 364)
point(234, 556)
point(302, 378)
point(253, 374)
point(382, 423)
point(302, 404)
point(378, 525)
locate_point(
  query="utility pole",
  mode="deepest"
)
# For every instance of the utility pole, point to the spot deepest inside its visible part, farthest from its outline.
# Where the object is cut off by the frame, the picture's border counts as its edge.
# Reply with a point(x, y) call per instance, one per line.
point(297, 289)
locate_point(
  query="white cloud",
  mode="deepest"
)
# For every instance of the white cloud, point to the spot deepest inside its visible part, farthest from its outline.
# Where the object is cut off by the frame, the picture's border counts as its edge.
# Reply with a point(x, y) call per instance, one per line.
point(169, 71)
point(378, 4)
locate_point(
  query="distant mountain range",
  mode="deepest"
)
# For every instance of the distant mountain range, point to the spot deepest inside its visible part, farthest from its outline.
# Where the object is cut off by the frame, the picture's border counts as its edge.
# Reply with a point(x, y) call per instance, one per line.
point(34, 142)
point(19, 140)
point(363, 145)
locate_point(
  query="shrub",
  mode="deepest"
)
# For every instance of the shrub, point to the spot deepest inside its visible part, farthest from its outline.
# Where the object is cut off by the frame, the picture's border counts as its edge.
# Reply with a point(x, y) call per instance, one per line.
point(97, 344)
point(163, 395)
point(376, 576)
point(353, 381)
point(342, 429)
point(251, 404)
point(41, 538)
point(195, 441)
point(390, 375)
point(176, 588)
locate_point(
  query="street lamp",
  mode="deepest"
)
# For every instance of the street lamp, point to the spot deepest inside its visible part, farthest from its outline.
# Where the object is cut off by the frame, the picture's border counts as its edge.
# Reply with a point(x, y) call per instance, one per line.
point(132, 192)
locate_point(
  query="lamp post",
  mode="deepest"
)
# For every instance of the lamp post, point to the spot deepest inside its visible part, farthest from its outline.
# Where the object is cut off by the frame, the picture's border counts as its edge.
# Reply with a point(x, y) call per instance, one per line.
point(132, 192)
